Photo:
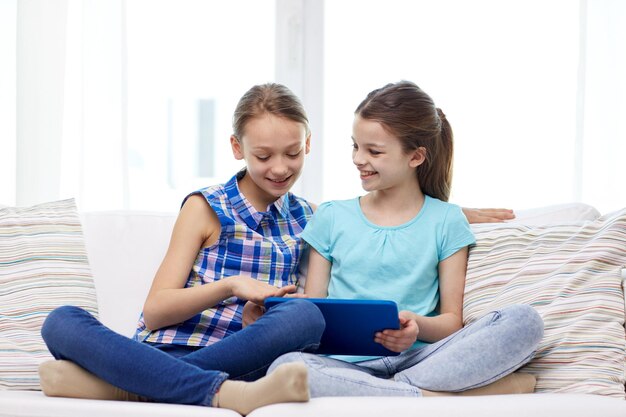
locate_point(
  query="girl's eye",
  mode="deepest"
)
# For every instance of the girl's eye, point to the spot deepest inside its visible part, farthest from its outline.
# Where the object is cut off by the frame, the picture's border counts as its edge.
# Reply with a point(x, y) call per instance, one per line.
point(373, 152)
point(262, 158)
point(355, 146)
point(294, 155)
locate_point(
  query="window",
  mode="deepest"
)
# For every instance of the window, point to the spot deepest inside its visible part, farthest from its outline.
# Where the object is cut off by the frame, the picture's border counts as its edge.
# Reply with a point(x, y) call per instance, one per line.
point(506, 79)
point(187, 65)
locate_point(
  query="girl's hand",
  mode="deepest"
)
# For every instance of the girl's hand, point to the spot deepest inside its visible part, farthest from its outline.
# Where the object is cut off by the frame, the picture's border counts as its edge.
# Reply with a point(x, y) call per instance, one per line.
point(296, 295)
point(399, 340)
point(487, 215)
point(256, 291)
point(251, 313)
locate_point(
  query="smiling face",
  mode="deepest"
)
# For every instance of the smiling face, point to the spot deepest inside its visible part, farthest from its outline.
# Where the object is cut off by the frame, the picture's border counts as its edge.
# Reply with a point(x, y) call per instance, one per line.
point(274, 149)
point(380, 158)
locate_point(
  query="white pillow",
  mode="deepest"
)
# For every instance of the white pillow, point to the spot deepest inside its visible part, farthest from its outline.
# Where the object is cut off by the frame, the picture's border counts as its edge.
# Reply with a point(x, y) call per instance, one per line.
point(125, 250)
point(571, 213)
point(571, 274)
point(557, 214)
point(43, 265)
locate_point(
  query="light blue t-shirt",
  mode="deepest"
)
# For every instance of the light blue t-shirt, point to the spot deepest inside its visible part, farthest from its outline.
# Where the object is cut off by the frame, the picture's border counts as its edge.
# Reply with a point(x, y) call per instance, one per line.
point(396, 263)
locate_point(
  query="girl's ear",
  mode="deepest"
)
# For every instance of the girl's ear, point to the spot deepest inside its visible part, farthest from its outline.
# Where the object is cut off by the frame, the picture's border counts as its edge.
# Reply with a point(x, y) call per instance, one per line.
point(307, 144)
point(237, 148)
point(418, 157)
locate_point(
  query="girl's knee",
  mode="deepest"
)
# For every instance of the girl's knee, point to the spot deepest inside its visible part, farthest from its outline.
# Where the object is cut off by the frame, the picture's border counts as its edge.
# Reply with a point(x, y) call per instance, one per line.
point(286, 358)
point(61, 318)
point(528, 321)
point(302, 307)
point(312, 315)
point(305, 313)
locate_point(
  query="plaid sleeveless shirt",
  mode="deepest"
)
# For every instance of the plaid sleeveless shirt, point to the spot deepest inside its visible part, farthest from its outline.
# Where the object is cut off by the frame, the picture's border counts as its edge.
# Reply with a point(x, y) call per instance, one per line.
point(262, 245)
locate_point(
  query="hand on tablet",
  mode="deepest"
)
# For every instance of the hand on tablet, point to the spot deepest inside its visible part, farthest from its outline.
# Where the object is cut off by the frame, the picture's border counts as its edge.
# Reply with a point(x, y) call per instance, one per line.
point(257, 291)
point(252, 311)
point(296, 295)
point(402, 339)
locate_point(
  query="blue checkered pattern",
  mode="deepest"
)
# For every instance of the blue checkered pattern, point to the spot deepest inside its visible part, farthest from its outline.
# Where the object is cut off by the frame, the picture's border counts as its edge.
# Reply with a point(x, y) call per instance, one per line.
point(262, 245)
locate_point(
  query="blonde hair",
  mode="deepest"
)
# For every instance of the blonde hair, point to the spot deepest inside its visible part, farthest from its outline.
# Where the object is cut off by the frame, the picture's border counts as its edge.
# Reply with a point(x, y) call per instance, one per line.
point(270, 98)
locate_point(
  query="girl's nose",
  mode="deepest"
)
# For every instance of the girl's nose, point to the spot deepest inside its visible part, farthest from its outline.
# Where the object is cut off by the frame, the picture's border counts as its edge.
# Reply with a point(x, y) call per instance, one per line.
point(357, 158)
point(280, 168)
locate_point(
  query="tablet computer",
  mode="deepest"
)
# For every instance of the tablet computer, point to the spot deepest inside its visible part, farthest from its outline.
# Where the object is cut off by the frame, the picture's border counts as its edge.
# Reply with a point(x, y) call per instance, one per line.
point(351, 324)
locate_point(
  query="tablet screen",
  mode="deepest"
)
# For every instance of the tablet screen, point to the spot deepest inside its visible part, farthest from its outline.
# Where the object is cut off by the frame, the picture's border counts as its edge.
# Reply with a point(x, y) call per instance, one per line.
point(351, 324)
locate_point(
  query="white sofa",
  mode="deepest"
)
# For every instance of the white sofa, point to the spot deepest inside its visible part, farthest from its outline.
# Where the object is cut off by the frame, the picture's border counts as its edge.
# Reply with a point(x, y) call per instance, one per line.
point(124, 250)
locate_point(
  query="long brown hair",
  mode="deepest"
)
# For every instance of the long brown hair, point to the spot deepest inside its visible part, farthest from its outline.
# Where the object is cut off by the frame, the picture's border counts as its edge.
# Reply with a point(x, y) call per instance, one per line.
point(409, 114)
point(270, 98)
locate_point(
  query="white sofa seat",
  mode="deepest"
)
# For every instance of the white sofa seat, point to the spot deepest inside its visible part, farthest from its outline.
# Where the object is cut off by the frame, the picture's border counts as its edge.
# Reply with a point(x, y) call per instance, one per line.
point(527, 405)
point(35, 404)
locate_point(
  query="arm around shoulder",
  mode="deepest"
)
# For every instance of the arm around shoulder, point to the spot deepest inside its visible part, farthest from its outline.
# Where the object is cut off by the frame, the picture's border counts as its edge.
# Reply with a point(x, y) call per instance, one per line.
point(491, 215)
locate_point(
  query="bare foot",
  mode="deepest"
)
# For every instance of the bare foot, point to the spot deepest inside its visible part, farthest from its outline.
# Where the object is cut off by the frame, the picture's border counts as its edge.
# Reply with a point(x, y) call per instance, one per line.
point(288, 383)
point(515, 383)
point(61, 378)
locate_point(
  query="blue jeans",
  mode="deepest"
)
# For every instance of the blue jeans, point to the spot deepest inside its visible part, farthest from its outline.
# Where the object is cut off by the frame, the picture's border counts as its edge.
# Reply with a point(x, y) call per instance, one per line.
point(492, 347)
point(181, 375)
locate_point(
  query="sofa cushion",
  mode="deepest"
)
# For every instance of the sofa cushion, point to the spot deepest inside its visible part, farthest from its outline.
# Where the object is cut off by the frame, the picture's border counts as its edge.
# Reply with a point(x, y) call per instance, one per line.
point(43, 265)
point(570, 274)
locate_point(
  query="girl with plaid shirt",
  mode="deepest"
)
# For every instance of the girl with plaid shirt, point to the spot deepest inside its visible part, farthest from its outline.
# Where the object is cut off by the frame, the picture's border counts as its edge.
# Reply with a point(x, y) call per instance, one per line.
point(232, 243)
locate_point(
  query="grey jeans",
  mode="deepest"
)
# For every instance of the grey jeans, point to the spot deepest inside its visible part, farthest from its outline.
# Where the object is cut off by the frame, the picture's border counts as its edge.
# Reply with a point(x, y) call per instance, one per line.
point(476, 355)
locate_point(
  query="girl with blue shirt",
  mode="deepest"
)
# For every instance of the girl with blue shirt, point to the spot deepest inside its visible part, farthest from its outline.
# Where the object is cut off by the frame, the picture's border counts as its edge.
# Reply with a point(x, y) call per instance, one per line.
point(402, 241)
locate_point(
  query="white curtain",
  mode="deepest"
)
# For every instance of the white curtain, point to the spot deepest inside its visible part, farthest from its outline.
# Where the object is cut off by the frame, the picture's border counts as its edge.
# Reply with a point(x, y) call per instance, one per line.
point(94, 106)
point(70, 102)
point(8, 88)
point(40, 82)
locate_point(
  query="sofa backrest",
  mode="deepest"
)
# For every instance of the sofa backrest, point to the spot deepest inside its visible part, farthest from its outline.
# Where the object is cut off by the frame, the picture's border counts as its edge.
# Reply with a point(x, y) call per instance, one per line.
point(125, 249)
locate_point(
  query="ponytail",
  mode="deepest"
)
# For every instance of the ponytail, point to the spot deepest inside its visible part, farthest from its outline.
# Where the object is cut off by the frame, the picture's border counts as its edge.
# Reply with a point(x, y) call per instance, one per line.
point(435, 174)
